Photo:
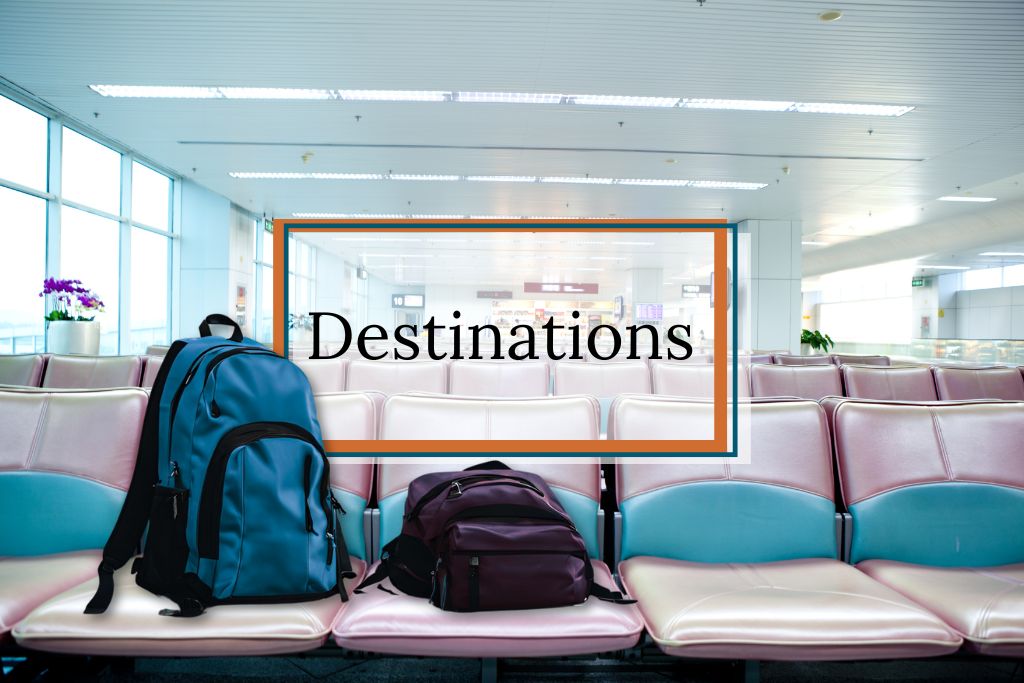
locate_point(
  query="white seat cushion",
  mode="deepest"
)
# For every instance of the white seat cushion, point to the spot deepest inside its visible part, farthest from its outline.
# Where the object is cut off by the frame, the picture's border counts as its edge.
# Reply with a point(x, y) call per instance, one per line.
point(985, 604)
point(133, 627)
point(378, 621)
point(809, 609)
point(27, 582)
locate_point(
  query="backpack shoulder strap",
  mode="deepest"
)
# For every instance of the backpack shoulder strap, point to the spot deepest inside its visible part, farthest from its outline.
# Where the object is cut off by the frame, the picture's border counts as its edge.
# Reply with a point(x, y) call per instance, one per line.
point(602, 593)
point(134, 515)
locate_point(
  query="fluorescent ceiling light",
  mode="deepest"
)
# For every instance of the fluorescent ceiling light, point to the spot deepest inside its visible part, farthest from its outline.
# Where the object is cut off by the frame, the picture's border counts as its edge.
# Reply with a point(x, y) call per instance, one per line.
point(1002, 253)
point(814, 244)
point(622, 101)
point(568, 180)
point(409, 176)
point(393, 95)
point(502, 178)
point(607, 258)
point(927, 267)
point(182, 92)
point(590, 270)
point(736, 105)
point(260, 175)
point(276, 94)
point(953, 198)
point(578, 180)
point(628, 101)
point(633, 244)
point(509, 97)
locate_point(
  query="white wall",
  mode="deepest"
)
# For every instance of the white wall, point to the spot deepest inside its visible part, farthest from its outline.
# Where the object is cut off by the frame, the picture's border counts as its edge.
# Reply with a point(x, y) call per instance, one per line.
point(990, 313)
point(203, 256)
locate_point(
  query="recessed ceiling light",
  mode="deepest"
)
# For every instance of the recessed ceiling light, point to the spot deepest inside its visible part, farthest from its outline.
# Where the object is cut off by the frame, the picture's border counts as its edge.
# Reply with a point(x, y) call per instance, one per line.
point(1002, 253)
point(929, 267)
point(578, 180)
point(954, 198)
point(811, 243)
point(830, 15)
point(627, 101)
point(411, 176)
point(261, 175)
point(502, 178)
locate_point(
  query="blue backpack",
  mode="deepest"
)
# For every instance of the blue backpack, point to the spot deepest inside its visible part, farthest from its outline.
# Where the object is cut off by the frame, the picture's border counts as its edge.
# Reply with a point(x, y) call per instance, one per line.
point(233, 482)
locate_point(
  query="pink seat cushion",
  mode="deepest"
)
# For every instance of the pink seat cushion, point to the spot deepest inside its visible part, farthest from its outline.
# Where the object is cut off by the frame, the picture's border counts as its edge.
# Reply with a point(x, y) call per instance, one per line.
point(813, 382)
point(960, 384)
point(985, 604)
point(809, 609)
point(27, 582)
point(889, 383)
point(133, 627)
point(378, 621)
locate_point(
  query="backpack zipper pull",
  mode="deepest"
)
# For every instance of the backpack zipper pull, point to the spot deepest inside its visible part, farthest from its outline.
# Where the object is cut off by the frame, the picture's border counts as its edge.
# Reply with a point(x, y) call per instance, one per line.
point(176, 476)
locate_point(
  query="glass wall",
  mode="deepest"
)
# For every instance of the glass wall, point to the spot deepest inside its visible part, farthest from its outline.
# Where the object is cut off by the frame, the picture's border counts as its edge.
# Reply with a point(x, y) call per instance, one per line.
point(80, 209)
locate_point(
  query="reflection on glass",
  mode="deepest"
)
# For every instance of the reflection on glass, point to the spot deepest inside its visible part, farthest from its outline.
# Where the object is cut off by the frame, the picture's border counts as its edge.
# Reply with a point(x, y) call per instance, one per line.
point(151, 196)
point(148, 312)
point(90, 173)
point(22, 268)
point(89, 251)
point(23, 141)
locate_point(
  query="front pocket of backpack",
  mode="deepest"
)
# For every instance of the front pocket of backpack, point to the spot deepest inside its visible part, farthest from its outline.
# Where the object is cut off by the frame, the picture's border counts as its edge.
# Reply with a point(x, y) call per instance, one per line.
point(261, 527)
point(494, 580)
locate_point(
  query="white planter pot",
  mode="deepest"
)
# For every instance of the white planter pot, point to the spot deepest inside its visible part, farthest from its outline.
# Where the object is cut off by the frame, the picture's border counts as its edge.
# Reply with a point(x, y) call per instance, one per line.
point(806, 350)
point(73, 337)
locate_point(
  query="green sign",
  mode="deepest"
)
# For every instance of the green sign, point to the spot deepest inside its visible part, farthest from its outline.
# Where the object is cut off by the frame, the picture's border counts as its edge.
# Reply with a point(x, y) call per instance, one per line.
point(917, 282)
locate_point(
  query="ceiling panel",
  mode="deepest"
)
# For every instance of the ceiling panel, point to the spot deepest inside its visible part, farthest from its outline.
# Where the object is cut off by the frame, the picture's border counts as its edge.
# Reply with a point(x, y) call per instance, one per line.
point(960, 63)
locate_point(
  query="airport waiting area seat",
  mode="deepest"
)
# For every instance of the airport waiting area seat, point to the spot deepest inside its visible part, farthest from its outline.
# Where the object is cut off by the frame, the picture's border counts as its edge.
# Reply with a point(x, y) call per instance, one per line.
point(851, 359)
point(132, 626)
point(936, 494)
point(894, 383)
point(499, 379)
point(66, 460)
point(395, 377)
point(786, 359)
point(92, 372)
point(395, 623)
point(325, 376)
point(605, 381)
point(150, 369)
point(750, 570)
point(22, 369)
point(813, 382)
point(669, 378)
point(960, 384)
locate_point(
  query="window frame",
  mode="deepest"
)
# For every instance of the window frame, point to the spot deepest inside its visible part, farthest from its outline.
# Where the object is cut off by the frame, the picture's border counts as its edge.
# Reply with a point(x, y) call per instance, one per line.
point(55, 201)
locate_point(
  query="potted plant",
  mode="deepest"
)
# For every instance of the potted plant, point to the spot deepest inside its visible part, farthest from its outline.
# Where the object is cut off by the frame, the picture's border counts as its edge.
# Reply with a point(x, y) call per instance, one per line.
point(71, 326)
point(815, 340)
point(302, 325)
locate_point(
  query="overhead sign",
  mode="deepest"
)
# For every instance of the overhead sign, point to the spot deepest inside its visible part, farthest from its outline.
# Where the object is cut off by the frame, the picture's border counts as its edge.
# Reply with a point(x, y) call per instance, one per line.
point(407, 301)
point(917, 282)
point(494, 294)
point(560, 287)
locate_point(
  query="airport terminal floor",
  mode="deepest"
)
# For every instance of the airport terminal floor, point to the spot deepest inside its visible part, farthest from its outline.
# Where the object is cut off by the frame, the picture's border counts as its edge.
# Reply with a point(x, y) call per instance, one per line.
point(534, 340)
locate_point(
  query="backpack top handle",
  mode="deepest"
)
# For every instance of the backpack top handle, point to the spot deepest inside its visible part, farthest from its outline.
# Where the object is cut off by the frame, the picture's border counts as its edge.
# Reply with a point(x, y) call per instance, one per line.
point(220, 319)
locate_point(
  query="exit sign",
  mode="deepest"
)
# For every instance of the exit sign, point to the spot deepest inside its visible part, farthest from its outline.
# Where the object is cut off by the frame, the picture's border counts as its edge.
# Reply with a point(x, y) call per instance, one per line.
point(917, 282)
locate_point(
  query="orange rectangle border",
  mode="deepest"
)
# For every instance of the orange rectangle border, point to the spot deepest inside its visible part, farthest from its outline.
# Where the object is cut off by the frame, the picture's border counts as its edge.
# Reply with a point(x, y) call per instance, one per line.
point(717, 226)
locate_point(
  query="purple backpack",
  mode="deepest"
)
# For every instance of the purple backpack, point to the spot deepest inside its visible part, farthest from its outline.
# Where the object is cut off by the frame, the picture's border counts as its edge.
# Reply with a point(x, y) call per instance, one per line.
point(488, 538)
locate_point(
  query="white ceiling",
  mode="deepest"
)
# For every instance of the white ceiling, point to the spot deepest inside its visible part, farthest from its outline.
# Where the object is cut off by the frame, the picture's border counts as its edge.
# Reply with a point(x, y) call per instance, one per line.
point(960, 63)
point(504, 259)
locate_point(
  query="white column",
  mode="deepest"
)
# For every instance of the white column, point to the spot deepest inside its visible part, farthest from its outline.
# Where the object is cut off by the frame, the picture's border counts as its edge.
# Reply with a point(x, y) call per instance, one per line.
point(769, 285)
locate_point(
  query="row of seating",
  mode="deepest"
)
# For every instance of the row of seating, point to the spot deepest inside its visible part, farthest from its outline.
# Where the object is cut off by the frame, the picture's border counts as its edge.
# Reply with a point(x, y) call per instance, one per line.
point(896, 383)
point(50, 371)
point(726, 560)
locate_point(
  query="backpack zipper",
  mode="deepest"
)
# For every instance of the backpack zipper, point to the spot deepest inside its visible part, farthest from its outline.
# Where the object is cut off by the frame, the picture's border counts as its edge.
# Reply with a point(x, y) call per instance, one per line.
point(212, 496)
point(456, 485)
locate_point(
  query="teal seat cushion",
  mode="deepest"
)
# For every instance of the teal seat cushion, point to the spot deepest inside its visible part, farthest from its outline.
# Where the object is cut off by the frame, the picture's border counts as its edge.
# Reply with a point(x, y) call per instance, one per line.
point(948, 524)
point(728, 521)
point(45, 512)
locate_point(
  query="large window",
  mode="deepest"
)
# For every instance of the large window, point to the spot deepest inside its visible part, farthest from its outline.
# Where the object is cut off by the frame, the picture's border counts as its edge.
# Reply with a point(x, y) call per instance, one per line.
point(90, 173)
point(90, 252)
point(23, 139)
point(263, 247)
point(107, 222)
point(22, 268)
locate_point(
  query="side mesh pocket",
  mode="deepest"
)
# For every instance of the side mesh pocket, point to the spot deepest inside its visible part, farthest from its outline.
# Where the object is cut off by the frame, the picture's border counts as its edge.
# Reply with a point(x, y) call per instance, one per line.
point(162, 564)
